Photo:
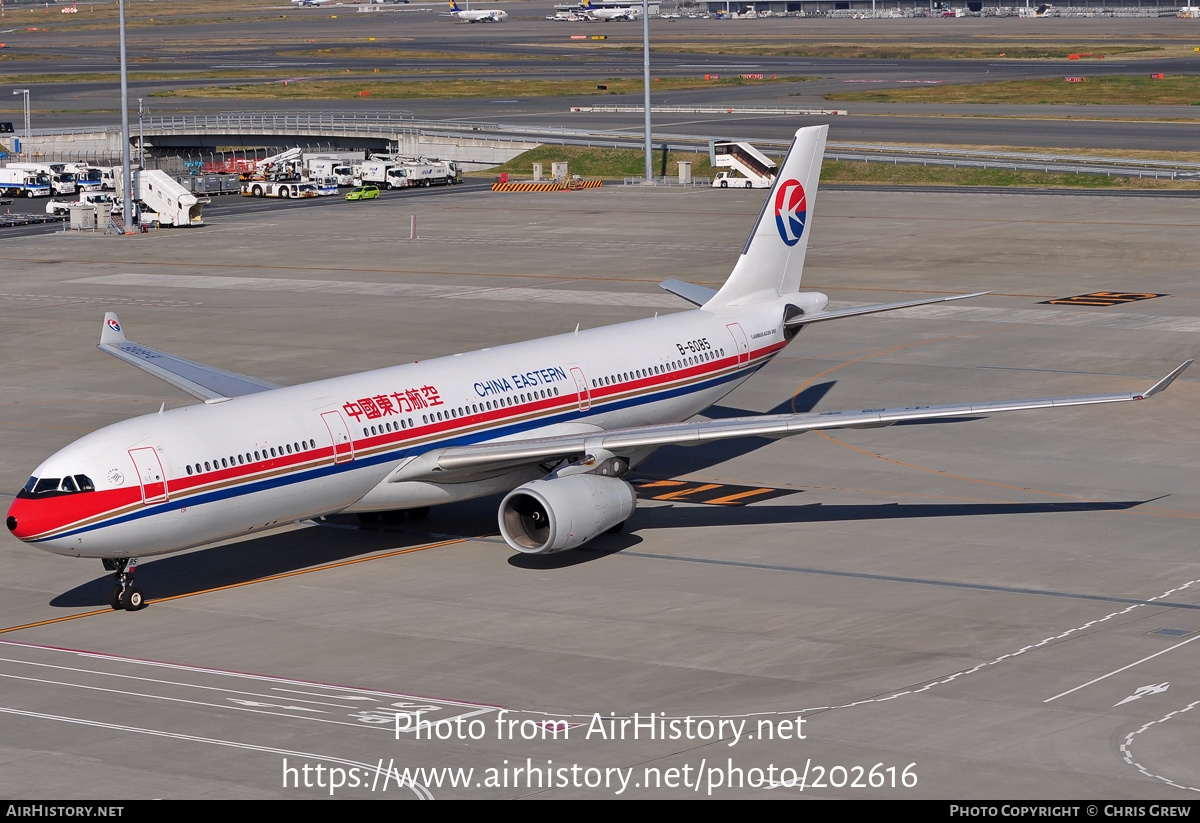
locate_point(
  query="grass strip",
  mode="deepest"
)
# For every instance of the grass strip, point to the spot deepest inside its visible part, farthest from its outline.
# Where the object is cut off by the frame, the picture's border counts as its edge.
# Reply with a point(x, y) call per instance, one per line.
point(1116, 90)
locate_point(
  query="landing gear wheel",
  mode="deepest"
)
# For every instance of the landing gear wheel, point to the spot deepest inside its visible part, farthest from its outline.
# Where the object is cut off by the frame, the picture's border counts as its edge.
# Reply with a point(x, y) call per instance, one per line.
point(419, 513)
point(124, 595)
point(134, 599)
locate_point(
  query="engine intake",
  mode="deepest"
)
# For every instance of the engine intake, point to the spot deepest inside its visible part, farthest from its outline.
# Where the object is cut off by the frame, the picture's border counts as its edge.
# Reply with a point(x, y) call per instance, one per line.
point(547, 516)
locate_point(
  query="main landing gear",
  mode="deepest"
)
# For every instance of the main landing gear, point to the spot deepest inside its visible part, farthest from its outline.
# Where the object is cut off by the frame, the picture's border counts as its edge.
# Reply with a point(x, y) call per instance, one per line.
point(124, 594)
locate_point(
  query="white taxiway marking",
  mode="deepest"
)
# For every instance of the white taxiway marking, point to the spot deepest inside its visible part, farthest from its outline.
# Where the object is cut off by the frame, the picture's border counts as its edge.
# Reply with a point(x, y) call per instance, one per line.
point(1123, 668)
point(420, 791)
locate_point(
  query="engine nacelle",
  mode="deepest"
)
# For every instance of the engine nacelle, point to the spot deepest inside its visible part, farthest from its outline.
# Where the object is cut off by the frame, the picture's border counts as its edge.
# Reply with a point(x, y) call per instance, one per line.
point(547, 516)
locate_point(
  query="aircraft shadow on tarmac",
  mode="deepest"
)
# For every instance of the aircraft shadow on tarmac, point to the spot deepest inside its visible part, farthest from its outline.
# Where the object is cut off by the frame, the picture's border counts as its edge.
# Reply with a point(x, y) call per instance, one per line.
point(698, 516)
point(244, 561)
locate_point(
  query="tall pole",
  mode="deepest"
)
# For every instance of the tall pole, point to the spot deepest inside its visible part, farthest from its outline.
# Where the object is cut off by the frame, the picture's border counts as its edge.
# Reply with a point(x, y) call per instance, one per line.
point(646, 83)
point(25, 108)
point(127, 182)
point(142, 137)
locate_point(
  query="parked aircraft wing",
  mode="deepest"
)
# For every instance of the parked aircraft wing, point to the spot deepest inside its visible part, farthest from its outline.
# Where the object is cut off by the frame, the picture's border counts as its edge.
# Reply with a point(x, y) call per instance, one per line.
point(200, 381)
point(457, 461)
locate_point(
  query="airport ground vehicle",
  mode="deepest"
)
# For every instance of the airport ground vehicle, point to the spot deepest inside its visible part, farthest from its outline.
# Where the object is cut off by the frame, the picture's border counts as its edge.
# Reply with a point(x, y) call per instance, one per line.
point(748, 167)
point(363, 193)
point(87, 178)
point(20, 182)
point(322, 168)
point(555, 422)
point(61, 182)
point(100, 199)
point(430, 173)
point(171, 203)
point(263, 188)
point(374, 172)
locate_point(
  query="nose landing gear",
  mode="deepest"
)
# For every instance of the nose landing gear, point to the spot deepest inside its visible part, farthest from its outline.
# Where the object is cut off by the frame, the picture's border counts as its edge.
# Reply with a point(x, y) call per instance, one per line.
point(124, 594)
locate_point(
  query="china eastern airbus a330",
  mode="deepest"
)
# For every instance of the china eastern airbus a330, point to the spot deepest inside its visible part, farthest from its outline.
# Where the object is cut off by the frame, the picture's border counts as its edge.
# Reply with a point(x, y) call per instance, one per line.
point(554, 422)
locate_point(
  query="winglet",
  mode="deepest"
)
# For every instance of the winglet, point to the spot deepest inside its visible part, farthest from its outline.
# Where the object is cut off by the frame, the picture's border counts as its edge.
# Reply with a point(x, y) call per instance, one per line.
point(110, 332)
point(1162, 385)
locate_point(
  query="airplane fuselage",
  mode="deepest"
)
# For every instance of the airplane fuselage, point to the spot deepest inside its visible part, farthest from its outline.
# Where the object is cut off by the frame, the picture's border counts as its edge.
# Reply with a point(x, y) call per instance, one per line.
point(207, 472)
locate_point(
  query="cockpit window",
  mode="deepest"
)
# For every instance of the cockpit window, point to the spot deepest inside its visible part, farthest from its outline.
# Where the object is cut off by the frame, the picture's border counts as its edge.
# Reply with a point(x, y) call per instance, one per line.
point(47, 484)
point(55, 486)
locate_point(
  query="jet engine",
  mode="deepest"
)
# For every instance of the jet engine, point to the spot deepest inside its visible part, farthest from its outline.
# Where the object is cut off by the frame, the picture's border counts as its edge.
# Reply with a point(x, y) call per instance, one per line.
point(547, 516)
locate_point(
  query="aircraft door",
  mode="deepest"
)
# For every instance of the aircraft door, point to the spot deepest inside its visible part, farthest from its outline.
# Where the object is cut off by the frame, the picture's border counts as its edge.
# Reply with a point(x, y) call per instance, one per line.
point(581, 387)
point(740, 344)
point(150, 475)
point(339, 434)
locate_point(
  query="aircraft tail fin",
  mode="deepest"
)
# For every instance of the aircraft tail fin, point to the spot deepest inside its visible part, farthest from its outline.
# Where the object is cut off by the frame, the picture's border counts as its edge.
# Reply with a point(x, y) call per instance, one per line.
point(454, 6)
point(110, 332)
point(773, 259)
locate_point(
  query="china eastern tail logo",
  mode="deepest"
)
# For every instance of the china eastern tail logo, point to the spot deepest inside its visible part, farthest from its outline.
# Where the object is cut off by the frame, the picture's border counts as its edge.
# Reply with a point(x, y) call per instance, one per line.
point(114, 325)
point(790, 211)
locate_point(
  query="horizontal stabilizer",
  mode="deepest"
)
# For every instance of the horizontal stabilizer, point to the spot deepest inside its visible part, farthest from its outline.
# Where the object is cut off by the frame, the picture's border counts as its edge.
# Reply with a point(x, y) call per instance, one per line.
point(198, 380)
point(699, 295)
point(855, 311)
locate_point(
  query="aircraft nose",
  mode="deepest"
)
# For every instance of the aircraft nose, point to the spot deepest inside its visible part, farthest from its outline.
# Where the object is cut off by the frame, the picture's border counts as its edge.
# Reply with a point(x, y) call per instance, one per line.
point(16, 517)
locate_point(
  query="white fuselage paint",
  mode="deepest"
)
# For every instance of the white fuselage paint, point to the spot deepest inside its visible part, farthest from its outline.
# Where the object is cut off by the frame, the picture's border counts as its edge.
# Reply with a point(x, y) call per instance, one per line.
point(656, 370)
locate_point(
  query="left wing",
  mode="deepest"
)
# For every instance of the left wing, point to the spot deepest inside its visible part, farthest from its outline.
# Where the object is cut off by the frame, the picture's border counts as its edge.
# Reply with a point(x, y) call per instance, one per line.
point(201, 381)
point(456, 462)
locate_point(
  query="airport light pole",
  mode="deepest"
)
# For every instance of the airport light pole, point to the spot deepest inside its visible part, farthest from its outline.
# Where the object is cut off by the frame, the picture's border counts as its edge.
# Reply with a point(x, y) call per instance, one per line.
point(646, 83)
point(26, 93)
point(126, 182)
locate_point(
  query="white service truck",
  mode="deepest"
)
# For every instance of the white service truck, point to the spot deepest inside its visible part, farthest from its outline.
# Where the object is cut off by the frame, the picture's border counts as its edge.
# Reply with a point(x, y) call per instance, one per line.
point(430, 173)
point(21, 182)
point(87, 178)
point(749, 167)
point(322, 168)
point(374, 172)
point(99, 199)
point(61, 182)
point(161, 195)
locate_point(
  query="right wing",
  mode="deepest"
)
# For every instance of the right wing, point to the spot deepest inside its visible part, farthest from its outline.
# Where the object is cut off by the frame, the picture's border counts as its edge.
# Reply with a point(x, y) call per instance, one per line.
point(458, 462)
point(200, 381)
